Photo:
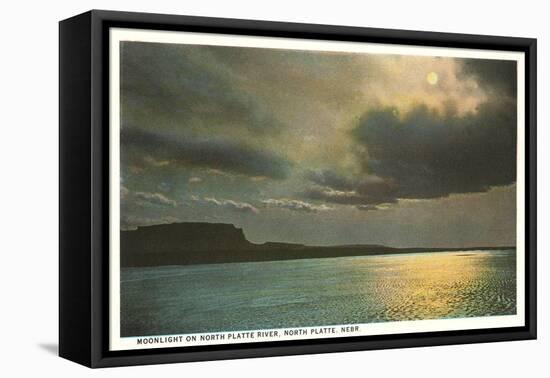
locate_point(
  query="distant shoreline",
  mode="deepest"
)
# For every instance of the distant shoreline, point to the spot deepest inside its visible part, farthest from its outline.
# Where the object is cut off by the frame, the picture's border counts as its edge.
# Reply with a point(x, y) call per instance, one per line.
point(214, 243)
point(366, 254)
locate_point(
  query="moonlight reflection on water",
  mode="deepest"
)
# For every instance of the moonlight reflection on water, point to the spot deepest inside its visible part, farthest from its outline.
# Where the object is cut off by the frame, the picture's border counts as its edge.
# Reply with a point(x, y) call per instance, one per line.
point(315, 292)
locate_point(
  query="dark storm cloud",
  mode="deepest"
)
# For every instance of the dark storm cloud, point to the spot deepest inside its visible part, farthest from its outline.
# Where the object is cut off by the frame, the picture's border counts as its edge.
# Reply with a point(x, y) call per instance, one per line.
point(214, 152)
point(496, 76)
point(431, 154)
point(426, 154)
point(186, 85)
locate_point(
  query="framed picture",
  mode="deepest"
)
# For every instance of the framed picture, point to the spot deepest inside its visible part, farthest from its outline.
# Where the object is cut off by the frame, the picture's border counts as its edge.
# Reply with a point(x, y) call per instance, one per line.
point(234, 188)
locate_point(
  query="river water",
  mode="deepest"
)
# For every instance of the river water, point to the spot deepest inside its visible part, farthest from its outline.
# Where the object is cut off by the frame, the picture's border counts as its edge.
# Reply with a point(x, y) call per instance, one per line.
point(316, 292)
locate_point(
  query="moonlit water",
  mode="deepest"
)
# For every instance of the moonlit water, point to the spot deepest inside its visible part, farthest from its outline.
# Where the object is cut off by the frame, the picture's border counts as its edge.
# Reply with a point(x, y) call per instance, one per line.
point(316, 292)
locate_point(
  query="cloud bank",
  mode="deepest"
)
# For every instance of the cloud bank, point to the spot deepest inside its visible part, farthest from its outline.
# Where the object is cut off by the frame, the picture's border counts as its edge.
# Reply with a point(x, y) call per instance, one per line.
point(425, 154)
point(213, 152)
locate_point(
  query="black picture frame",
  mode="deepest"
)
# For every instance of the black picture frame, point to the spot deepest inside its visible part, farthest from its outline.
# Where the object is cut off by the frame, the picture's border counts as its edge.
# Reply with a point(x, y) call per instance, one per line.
point(84, 181)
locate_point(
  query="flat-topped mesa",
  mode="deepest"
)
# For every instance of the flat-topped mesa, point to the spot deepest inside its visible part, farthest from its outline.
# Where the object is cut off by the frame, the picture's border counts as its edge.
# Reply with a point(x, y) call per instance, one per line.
point(212, 243)
point(184, 237)
point(280, 245)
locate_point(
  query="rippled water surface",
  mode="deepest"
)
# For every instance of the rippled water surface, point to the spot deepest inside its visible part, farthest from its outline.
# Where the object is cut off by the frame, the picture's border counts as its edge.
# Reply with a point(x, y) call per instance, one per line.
point(314, 292)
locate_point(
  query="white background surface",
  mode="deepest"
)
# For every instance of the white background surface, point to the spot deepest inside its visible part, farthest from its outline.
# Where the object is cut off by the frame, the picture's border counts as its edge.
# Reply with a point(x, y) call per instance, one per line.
point(29, 189)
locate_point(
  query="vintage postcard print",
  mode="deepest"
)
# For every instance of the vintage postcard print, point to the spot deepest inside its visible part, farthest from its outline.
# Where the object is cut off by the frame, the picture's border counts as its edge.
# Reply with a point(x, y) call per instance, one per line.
point(270, 189)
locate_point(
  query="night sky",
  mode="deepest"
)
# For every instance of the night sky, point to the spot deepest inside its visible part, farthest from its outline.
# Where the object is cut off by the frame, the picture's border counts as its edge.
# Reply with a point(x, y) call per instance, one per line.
point(320, 148)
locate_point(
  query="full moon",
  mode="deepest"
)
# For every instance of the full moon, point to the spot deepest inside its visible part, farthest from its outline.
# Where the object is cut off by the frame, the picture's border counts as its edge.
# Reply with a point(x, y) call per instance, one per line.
point(432, 78)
